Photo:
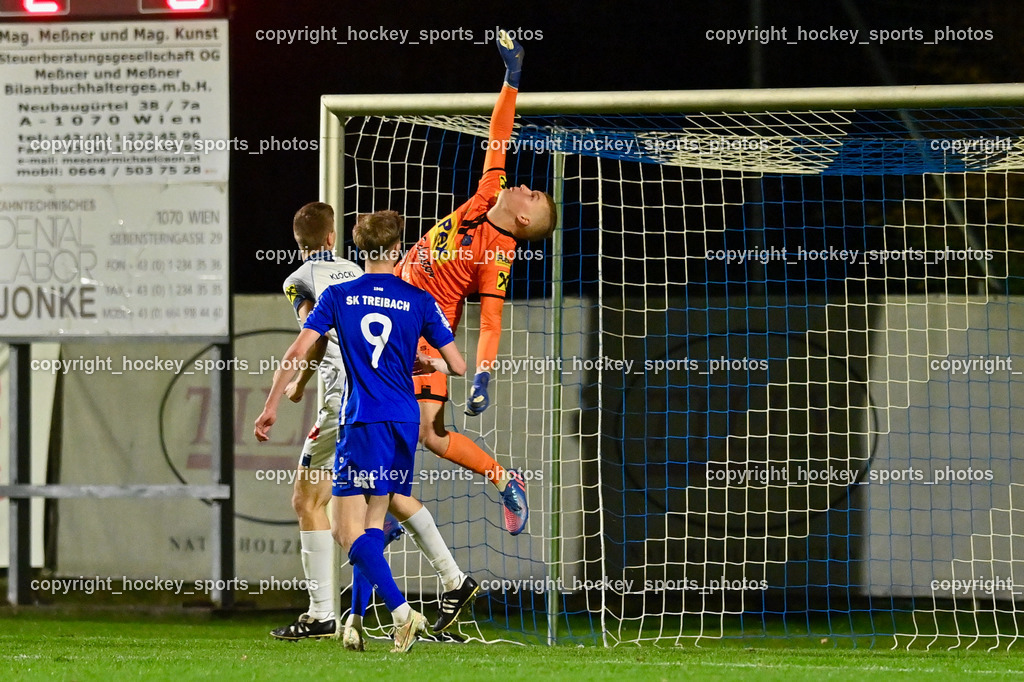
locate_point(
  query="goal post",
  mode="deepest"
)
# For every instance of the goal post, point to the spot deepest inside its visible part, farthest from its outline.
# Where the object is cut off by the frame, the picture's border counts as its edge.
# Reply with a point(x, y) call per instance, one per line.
point(763, 376)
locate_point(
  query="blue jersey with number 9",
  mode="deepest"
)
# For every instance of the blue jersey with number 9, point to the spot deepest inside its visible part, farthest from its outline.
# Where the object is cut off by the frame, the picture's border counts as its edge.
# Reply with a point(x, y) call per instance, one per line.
point(379, 320)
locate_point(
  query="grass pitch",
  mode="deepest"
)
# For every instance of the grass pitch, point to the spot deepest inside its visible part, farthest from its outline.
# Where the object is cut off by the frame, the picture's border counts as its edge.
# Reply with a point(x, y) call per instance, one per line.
point(125, 645)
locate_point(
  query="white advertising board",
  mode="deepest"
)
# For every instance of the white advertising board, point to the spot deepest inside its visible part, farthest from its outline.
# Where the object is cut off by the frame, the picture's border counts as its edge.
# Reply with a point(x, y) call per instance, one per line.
point(134, 261)
point(129, 102)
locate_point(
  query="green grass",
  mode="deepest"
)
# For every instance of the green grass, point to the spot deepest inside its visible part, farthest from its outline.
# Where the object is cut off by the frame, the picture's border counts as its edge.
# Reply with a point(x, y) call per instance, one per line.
point(187, 645)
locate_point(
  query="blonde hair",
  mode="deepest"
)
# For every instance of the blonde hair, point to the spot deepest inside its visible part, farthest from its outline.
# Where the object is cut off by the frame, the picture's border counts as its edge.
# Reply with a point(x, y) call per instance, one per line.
point(374, 233)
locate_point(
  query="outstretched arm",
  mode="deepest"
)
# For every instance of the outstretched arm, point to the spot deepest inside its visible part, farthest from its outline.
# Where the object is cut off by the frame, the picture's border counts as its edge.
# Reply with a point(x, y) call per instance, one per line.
point(486, 353)
point(289, 365)
point(314, 357)
point(500, 130)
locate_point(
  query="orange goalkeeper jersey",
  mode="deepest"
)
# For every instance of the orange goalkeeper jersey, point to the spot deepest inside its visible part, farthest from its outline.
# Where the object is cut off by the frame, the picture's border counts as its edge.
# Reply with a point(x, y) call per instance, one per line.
point(464, 253)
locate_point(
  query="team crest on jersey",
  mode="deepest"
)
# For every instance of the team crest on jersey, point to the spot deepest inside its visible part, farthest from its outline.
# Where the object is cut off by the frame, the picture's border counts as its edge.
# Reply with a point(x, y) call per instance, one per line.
point(466, 229)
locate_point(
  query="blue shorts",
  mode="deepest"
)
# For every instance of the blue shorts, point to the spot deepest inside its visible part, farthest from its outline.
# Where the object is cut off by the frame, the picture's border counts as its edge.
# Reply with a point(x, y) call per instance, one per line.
point(375, 459)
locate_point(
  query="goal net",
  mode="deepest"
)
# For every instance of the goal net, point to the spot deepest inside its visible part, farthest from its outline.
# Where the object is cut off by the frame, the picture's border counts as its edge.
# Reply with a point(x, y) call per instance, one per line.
point(765, 381)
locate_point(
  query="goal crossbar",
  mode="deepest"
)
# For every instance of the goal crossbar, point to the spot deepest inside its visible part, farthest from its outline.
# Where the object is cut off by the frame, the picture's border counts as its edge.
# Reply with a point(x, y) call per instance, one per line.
point(335, 109)
point(684, 101)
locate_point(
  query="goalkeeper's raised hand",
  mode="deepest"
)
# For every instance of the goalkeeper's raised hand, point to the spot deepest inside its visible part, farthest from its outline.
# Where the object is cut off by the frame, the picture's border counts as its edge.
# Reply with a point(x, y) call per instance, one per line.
point(512, 54)
point(478, 399)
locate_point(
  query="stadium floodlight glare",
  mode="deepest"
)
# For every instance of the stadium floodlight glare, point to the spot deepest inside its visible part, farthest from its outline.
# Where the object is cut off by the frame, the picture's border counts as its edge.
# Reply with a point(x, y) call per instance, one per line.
point(734, 369)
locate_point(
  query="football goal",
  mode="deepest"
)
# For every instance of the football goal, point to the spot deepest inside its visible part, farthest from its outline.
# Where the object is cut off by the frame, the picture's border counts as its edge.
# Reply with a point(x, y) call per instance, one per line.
point(764, 381)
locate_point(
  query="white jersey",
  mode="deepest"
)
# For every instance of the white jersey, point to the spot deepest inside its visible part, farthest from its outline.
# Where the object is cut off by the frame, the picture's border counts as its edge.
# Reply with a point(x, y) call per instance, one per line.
point(318, 272)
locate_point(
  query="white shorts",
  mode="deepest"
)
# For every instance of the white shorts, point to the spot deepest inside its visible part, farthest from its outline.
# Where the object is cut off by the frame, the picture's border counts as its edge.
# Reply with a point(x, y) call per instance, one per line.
point(322, 440)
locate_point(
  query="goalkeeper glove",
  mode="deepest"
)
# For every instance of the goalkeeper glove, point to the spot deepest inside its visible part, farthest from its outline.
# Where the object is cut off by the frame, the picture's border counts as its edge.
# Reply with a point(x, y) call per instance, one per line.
point(512, 54)
point(478, 400)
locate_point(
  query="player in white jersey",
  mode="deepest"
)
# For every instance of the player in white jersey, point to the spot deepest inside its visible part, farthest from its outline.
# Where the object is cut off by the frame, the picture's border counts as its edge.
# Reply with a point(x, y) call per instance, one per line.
point(313, 228)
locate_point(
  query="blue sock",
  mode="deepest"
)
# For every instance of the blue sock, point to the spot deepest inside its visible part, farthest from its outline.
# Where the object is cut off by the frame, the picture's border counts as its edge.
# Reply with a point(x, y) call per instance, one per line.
point(367, 554)
point(362, 590)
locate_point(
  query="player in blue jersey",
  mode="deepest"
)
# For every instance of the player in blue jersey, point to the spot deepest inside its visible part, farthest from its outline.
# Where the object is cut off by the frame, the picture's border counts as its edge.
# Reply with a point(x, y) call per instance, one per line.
point(379, 320)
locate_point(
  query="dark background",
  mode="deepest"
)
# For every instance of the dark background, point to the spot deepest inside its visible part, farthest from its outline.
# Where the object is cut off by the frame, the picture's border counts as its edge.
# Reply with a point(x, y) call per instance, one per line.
point(599, 45)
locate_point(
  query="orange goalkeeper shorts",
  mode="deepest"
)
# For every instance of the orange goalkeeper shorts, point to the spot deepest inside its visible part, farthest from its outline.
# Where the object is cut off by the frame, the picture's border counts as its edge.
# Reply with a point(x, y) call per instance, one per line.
point(431, 386)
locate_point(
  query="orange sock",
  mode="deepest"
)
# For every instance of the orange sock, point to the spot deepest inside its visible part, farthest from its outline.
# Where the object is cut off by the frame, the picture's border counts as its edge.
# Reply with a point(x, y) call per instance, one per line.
point(464, 452)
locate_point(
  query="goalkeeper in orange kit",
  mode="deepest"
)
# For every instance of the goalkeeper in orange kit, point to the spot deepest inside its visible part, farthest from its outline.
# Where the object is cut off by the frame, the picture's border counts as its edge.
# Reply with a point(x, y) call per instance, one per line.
point(470, 251)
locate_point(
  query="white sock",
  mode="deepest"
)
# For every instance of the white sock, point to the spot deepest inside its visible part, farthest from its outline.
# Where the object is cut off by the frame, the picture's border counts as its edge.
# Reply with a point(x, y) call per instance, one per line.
point(318, 565)
point(424, 533)
point(402, 614)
